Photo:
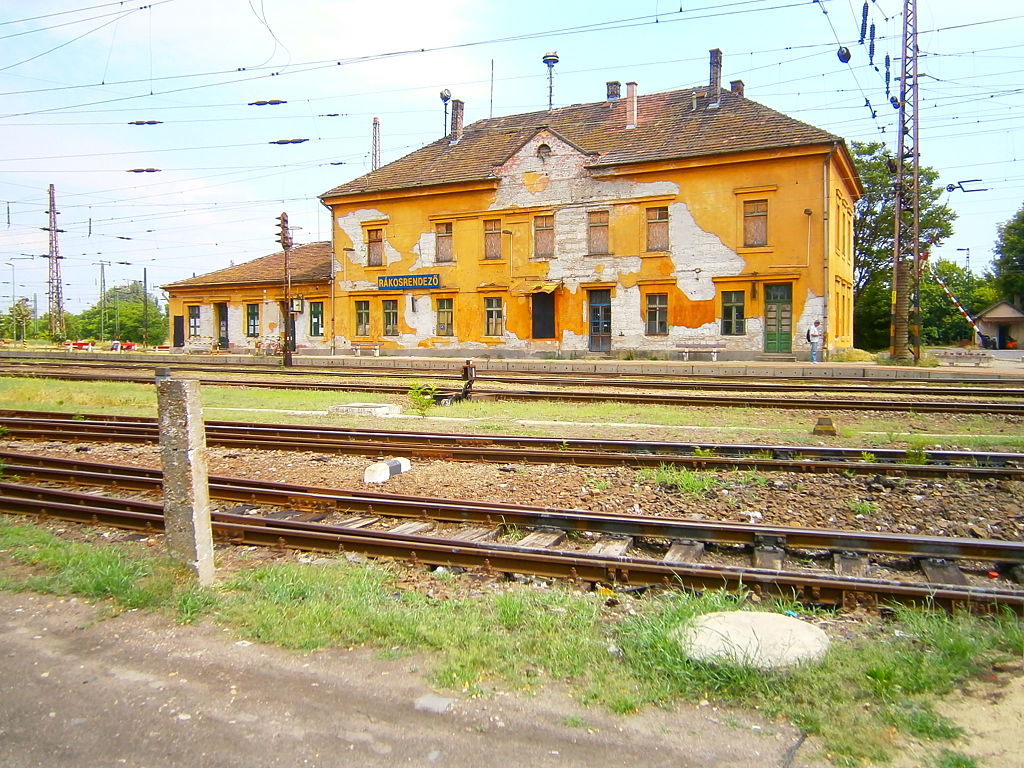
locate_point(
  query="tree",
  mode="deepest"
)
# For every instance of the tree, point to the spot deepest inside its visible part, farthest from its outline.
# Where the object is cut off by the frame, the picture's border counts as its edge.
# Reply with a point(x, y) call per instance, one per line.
point(119, 314)
point(941, 321)
point(1008, 265)
point(17, 322)
point(873, 230)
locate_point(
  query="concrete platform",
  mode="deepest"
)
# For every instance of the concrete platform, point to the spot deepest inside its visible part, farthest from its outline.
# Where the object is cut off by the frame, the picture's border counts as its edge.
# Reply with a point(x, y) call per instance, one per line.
point(1004, 364)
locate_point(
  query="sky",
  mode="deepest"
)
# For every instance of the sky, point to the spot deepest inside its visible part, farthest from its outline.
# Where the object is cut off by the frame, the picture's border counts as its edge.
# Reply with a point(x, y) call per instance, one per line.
point(75, 76)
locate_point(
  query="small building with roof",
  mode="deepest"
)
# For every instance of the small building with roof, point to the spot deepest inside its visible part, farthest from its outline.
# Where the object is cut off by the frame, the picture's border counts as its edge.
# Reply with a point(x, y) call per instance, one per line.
point(1001, 326)
point(243, 306)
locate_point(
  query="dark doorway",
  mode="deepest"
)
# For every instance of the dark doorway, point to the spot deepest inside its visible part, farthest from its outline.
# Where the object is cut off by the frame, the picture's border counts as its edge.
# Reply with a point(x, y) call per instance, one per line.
point(290, 319)
point(600, 303)
point(222, 326)
point(778, 318)
point(179, 331)
point(543, 313)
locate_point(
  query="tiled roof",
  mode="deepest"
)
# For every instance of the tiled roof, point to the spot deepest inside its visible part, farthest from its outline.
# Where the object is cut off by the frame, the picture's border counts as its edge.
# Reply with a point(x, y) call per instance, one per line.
point(670, 125)
point(307, 264)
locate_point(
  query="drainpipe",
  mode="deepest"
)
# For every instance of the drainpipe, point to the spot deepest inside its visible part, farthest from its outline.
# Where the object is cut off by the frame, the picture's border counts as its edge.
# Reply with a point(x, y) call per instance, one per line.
point(825, 246)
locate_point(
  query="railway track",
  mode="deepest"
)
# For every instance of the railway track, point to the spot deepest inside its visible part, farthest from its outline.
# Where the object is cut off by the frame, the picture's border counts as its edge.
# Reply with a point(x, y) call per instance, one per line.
point(1001, 388)
point(786, 401)
point(491, 448)
point(624, 550)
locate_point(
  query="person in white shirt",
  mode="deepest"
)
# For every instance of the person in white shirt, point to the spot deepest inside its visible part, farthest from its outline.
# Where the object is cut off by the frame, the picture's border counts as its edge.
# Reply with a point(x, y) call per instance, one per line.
point(814, 336)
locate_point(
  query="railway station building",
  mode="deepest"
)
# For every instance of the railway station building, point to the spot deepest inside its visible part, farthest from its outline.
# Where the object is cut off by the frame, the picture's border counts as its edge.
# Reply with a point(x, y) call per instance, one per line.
point(649, 224)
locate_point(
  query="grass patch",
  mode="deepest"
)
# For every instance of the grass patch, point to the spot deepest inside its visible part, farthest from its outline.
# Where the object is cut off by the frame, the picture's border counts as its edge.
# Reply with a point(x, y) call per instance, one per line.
point(862, 507)
point(869, 692)
point(680, 479)
point(61, 567)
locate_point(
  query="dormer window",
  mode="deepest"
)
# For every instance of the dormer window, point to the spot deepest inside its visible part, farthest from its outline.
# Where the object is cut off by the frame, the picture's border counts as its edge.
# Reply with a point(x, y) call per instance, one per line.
point(543, 152)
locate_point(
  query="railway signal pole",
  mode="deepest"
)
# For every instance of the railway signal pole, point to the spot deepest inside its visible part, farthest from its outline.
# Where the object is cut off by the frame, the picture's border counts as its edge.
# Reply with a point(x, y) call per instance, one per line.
point(284, 237)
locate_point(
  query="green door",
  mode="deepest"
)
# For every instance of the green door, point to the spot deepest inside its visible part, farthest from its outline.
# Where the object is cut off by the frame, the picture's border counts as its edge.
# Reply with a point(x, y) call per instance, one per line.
point(778, 318)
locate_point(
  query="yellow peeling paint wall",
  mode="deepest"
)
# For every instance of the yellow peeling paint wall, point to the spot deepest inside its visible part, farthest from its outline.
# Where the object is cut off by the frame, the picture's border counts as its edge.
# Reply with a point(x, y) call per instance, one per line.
point(469, 271)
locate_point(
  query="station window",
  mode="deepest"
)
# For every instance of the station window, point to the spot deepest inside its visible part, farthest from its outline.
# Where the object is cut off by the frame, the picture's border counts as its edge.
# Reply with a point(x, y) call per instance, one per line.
point(443, 242)
point(494, 316)
point(390, 317)
point(316, 318)
point(755, 223)
point(543, 236)
point(597, 232)
point(657, 314)
point(492, 239)
point(445, 317)
point(733, 317)
point(193, 320)
point(657, 229)
point(252, 320)
point(362, 318)
point(375, 247)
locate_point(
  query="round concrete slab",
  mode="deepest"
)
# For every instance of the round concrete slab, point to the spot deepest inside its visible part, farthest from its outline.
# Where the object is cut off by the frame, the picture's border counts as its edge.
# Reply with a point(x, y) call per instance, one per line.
point(754, 639)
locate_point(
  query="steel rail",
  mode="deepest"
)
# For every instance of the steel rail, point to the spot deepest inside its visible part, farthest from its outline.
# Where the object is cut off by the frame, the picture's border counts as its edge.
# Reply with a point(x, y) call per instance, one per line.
point(815, 589)
point(74, 471)
point(483, 448)
point(561, 378)
point(697, 401)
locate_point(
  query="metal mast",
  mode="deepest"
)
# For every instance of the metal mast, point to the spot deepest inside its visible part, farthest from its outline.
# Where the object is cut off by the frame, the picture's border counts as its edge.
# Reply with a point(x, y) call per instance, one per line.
point(551, 59)
point(56, 294)
point(905, 328)
point(375, 151)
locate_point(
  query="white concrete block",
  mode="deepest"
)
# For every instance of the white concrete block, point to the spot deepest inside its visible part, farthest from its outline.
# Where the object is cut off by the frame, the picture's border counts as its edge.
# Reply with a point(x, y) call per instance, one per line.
point(382, 471)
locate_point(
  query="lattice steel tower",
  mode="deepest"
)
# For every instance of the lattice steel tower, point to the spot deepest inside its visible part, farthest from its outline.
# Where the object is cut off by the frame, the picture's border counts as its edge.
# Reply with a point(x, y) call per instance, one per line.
point(905, 328)
point(56, 294)
point(375, 149)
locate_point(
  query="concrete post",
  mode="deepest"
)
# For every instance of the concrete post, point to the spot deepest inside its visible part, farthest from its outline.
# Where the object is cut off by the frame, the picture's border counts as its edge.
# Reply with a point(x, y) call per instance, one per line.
point(186, 485)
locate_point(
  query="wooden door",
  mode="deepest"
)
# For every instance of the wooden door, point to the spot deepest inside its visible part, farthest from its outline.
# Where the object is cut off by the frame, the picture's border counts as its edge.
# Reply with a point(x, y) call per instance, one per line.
point(778, 317)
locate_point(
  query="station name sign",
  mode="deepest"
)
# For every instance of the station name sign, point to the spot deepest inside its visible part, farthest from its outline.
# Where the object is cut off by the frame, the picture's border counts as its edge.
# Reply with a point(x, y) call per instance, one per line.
point(398, 282)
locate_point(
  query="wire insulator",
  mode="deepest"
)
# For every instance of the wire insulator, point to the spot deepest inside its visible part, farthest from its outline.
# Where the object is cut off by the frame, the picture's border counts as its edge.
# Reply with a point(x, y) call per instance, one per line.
point(871, 46)
point(864, 22)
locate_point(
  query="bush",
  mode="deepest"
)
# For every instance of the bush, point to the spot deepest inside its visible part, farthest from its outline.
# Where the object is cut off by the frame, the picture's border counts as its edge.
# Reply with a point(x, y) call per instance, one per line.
point(851, 355)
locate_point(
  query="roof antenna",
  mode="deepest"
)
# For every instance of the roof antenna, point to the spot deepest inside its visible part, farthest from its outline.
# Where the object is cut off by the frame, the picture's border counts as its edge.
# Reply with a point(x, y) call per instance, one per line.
point(551, 59)
point(446, 96)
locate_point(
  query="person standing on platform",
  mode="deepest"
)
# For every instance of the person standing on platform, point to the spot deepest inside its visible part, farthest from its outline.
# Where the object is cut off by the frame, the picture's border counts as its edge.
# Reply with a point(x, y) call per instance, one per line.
point(814, 336)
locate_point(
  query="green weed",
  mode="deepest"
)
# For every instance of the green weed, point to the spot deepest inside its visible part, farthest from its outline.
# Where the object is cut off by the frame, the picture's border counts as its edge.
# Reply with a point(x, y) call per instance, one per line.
point(422, 397)
point(862, 507)
point(914, 454)
point(680, 479)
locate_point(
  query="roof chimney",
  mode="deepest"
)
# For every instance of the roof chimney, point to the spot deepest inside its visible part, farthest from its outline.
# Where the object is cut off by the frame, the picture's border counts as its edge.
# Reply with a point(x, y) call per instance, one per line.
point(736, 86)
point(631, 105)
point(456, 133)
point(614, 90)
point(715, 85)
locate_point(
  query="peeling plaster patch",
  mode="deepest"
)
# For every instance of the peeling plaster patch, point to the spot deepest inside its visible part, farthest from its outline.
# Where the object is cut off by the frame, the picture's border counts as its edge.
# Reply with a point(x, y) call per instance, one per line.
point(426, 250)
point(814, 309)
point(566, 178)
point(694, 249)
point(352, 225)
point(420, 317)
